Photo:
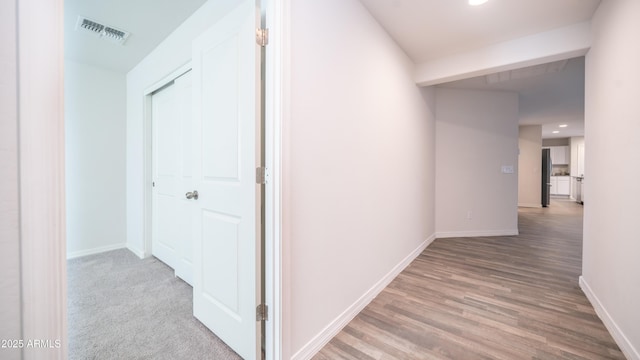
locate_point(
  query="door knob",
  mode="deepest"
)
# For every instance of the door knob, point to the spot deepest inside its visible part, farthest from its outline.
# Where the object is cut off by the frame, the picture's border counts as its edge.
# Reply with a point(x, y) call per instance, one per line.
point(192, 195)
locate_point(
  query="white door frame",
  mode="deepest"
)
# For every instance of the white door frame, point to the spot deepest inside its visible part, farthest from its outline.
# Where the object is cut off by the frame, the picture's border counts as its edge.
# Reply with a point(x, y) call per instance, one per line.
point(275, 75)
point(32, 213)
point(277, 15)
point(53, 221)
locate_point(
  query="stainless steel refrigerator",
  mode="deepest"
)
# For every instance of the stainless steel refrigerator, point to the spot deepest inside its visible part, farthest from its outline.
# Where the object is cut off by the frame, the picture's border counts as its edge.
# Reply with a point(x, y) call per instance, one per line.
point(546, 177)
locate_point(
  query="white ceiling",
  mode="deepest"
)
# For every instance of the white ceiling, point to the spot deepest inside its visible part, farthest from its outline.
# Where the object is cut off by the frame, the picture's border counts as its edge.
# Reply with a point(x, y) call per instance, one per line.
point(429, 29)
point(548, 96)
point(424, 29)
point(149, 21)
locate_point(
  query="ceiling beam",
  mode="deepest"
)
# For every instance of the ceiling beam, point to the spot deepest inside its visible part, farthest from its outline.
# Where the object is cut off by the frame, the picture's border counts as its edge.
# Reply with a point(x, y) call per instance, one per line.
point(559, 44)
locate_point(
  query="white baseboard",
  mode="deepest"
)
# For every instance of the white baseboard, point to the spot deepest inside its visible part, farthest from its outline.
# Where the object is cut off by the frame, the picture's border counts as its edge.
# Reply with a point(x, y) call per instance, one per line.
point(138, 252)
point(623, 342)
point(331, 330)
point(453, 234)
point(528, 205)
point(98, 250)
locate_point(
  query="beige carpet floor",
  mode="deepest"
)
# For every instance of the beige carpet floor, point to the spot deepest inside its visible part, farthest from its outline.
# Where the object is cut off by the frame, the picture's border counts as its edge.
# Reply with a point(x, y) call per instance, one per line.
point(121, 307)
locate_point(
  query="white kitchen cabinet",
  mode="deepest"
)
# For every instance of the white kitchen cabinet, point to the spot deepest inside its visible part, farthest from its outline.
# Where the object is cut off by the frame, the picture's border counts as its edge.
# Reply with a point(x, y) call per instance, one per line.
point(560, 155)
point(560, 185)
point(564, 185)
point(554, 186)
point(567, 154)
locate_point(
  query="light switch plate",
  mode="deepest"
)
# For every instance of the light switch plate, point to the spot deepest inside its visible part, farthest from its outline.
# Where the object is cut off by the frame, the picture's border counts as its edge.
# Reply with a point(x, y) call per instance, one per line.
point(507, 169)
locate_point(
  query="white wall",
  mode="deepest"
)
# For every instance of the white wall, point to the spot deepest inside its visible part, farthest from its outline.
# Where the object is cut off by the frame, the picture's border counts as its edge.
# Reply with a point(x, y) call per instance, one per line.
point(170, 55)
point(476, 134)
point(9, 182)
point(32, 218)
point(95, 123)
point(359, 154)
point(555, 142)
point(611, 243)
point(529, 166)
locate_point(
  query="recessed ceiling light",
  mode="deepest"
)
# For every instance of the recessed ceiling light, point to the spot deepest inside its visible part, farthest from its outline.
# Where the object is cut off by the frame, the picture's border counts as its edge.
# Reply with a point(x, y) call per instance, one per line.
point(563, 125)
point(477, 2)
point(556, 132)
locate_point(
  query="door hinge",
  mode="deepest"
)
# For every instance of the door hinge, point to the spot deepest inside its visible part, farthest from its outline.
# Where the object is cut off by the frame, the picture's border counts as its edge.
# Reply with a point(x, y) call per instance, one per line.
point(262, 312)
point(262, 175)
point(262, 37)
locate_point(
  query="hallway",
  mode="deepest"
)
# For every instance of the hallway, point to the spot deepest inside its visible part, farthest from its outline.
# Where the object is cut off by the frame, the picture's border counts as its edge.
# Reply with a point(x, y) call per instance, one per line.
point(487, 298)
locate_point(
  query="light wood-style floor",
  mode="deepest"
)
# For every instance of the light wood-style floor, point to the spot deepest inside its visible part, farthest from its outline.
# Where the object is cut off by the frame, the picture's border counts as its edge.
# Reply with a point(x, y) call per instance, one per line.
point(486, 298)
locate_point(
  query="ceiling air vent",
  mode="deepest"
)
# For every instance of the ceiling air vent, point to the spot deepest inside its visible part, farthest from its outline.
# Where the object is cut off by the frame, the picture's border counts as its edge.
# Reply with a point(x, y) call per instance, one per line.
point(103, 31)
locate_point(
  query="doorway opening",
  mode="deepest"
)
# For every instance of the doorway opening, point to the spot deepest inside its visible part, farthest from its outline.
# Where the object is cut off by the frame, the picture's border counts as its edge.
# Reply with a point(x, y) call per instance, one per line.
point(147, 193)
point(545, 101)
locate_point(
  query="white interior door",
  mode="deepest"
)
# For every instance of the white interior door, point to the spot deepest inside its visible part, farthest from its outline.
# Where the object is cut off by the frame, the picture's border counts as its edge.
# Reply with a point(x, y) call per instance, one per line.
point(226, 289)
point(172, 176)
